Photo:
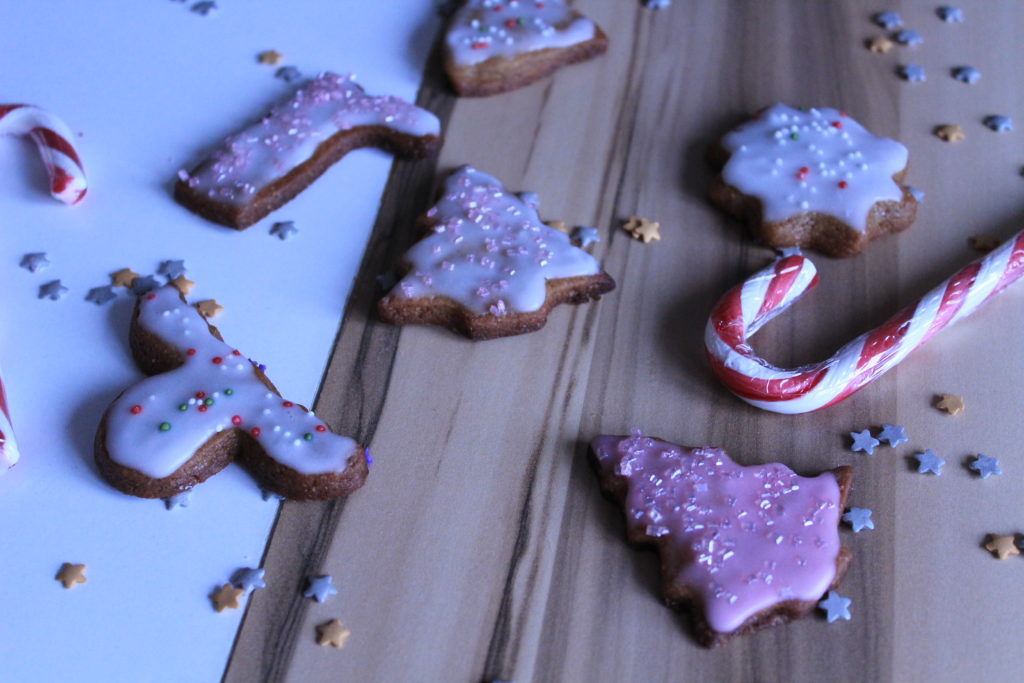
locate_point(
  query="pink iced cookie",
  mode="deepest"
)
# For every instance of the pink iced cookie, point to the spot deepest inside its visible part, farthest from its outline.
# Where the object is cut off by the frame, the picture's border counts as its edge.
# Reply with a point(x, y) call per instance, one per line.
point(746, 546)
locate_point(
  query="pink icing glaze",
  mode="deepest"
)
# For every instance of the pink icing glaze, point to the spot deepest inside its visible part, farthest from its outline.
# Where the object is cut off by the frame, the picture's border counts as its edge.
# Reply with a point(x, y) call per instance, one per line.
point(289, 135)
point(744, 538)
point(488, 250)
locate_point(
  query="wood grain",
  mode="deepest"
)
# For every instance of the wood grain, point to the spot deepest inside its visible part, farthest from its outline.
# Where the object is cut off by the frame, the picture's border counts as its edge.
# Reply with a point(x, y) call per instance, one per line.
point(481, 548)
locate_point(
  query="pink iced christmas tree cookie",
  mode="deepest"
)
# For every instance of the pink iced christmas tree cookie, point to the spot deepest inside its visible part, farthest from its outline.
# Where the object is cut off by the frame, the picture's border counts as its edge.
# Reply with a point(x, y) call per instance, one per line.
point(745, 547)
point(488, 267)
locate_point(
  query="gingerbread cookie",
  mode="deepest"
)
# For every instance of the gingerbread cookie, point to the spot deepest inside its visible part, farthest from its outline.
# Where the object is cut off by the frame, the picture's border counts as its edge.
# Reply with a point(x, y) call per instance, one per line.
point(744, 547)
point(206, 405)
point(259, 169)
point(488, 266)
point(494, 46)
point(812, 178)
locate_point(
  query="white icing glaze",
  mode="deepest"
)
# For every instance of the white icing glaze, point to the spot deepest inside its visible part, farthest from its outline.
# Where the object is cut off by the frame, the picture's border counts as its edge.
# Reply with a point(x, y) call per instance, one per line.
point(248, 161)
point(239, 401)
point(482, 29)
point(488, 250)
point(819, 160)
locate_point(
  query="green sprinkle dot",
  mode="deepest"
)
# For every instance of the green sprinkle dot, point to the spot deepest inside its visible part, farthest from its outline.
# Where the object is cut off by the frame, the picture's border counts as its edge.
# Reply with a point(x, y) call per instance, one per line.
point(208, 402)
point(183, 407)
point(229, 392)
point(165, 426)
point(307, 436)
point(794, 136)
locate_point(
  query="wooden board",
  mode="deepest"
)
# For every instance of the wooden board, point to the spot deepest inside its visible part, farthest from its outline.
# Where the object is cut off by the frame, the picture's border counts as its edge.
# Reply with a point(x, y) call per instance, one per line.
point(481, 548)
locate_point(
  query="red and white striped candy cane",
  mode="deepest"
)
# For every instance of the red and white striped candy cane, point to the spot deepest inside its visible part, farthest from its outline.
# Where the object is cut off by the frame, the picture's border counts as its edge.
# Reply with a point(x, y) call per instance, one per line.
point(8, 448)
point(748, 306)
point(52, 137)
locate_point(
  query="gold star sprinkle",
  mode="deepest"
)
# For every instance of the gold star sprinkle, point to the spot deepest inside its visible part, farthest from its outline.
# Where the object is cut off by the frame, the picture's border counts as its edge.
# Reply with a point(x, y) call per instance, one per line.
point(1002, 545)
point(984, 243)
point(560, 226)
point(123, 278)
point(879, 44)
point(270, 57)
point(209, 308)
point(950, 403)
point(71, 574)
point(332, 633)
point(183, 284)
point(642, 229)
point(950, 133)
point(226, 597)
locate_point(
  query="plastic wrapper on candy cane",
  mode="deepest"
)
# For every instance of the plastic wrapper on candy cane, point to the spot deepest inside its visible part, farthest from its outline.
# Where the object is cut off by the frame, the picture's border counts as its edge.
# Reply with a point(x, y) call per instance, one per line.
point(52, 138)
point(8, 448)
point(748, 306)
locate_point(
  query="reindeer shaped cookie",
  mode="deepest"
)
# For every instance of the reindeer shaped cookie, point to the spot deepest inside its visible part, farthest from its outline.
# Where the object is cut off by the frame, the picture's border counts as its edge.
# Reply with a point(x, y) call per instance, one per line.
point(206, 405)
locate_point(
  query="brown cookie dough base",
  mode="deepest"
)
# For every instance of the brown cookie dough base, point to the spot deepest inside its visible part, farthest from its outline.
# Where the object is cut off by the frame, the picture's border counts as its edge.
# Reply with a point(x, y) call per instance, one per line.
point(154, 356)
point(500, 74)
point(285, 188)
point(819, 231)
point(445, 312)
point(684, 598)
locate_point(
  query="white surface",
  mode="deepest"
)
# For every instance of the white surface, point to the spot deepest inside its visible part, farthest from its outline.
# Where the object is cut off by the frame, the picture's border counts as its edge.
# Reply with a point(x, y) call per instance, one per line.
point(150, 85)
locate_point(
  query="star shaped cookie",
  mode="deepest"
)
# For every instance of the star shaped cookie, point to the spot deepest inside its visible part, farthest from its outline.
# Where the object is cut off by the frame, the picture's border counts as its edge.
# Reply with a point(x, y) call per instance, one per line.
point(209, 308)
point(950, 403)
point(71, 574)
point(123, 278)
point(332, 633)
point(226, 597)
point(642, 229)
point(1002, 545)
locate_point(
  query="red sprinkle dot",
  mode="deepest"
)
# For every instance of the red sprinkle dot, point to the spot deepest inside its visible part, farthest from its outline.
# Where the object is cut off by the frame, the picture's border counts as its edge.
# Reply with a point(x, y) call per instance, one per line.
point(151, 296)
point(190, 352)
point(837, 124)
point(236, 419)
point(498, 8)
point(843, 114)
point(802, 173)
point(236, 352)
point(217, 360)
point(287, 404)
point(255, 431)
point(321, 428)
point(135, 410)
point(202, 409)
point(479, 45)
point(200, 394)
point(842, 184)
point(510, 23)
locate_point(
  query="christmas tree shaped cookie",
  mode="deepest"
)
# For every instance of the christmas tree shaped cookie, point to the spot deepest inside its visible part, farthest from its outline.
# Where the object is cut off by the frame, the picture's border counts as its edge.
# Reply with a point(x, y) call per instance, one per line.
point(488, 267)
point(206, 405)
point(494, 46)
point(744, 547)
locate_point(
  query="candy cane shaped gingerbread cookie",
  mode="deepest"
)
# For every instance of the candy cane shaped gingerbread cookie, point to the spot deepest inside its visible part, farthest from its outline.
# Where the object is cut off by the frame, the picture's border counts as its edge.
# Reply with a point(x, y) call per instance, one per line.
point(745, 308)
point(206, 405)
point(259, 169)
point(52, 137)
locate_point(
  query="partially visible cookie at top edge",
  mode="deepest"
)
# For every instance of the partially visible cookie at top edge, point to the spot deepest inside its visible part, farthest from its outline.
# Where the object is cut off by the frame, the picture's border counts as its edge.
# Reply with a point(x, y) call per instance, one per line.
point(259, 169)
point(742, 548)
point(487, 266)
point(495, 46)
point(812, 178)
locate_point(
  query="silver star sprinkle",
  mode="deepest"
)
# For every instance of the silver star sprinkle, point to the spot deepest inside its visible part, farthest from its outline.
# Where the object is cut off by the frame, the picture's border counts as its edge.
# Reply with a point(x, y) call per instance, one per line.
point(101, 295)
point(912, 73)
point(266, 493)
point(1000, 124)
point(859, 518)
point(966, 74)
point(893, 435)
point(52, 290)
point(283, 230)
point(178, 500)
point(204, 8)
point(929, 462)
point(985, 466)
point(144, 284)
point(320, 588)
point(288, 74)
point(35, 261)
point(836, 607)
point(863, 441)
point(585, 235)
point(248, 579)
point(171, 268)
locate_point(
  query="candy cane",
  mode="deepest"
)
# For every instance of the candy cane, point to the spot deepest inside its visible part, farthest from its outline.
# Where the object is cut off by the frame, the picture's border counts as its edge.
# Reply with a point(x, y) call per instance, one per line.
point(8, 448)
point(746, 307)
point(51, 135)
